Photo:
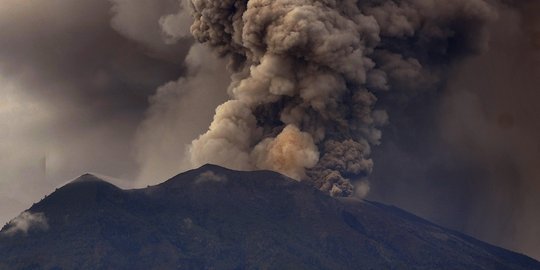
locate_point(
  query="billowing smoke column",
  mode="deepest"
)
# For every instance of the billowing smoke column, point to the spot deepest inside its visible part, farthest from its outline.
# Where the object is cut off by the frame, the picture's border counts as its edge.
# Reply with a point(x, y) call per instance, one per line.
point(308, 73)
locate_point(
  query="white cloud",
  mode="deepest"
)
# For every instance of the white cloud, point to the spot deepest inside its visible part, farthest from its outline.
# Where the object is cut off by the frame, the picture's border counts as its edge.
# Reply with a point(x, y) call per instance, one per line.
point(210, 176)
point(27, 221)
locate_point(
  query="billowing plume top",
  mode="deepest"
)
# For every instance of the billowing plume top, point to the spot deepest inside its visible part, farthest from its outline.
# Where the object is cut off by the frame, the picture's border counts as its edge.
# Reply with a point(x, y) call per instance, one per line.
point(307, 75)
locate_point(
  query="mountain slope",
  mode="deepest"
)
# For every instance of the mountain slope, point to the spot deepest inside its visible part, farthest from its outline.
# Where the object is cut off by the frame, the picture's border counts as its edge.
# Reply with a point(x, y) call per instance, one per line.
point(214, 218)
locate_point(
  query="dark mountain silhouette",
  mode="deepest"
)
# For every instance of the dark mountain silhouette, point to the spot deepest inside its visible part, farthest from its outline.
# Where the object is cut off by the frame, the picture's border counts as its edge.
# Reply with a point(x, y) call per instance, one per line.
point(215, 218)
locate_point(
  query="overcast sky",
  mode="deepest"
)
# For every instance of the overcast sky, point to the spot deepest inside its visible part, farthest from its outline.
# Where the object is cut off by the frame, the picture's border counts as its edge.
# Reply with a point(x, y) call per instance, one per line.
point(113, 87)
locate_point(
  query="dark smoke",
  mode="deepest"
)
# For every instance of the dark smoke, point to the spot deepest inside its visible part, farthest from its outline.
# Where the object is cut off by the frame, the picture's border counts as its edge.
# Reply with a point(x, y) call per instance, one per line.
point(308, 74)
point(467, 157)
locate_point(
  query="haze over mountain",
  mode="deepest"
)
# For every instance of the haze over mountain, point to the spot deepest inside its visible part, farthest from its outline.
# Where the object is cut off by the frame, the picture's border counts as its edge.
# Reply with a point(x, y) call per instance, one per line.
point(216, 218)
point(125, 83)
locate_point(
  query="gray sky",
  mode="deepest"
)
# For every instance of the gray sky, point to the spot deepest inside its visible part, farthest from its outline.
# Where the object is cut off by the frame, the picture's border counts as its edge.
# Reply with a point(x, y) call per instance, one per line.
point(77, 77)
point(73, 90)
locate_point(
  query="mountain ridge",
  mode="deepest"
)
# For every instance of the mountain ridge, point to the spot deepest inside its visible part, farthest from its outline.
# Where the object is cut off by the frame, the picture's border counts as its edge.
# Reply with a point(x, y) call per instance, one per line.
point(216, 218)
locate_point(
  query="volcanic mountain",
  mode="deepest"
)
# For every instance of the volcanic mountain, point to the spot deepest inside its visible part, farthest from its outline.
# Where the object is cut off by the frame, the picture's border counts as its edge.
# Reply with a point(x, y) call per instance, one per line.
point(215, 218)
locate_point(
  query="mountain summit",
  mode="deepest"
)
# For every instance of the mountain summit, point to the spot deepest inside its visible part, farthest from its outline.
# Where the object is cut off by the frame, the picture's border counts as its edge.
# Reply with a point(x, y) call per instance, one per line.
point(215, 218)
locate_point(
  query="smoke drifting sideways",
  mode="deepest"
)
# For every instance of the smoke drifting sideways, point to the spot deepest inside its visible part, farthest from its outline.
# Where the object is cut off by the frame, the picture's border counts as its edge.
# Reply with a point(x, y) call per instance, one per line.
point(74, 87)
point(491, 119)
point(467, 156)
point(307, 76)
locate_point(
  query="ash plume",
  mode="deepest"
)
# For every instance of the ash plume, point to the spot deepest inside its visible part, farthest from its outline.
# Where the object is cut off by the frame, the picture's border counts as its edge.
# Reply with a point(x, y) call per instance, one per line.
point(307, 76)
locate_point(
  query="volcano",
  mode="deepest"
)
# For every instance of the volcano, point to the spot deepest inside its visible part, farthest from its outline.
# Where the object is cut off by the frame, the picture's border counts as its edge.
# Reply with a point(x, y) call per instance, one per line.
point(216, 218)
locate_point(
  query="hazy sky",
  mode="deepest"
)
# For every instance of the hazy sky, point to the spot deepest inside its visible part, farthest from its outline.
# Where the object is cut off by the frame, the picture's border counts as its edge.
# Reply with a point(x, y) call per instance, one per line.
point(113, 87)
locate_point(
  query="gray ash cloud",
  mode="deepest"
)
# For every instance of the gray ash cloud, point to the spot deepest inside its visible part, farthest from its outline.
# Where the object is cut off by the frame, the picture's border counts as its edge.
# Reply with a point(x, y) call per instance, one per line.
point(308, 74)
